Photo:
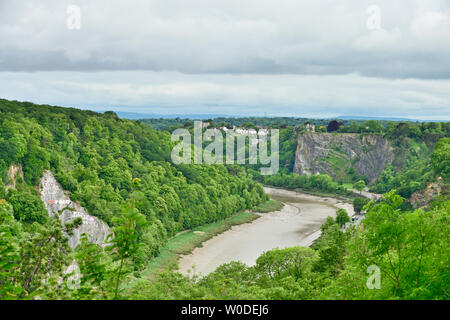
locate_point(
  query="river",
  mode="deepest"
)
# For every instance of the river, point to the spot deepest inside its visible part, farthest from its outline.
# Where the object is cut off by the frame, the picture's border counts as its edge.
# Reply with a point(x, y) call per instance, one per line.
point(296, 224)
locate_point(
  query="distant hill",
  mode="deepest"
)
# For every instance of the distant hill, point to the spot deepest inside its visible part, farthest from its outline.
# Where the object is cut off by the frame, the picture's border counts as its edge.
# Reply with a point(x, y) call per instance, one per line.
point(383, 118)
point(138, 116)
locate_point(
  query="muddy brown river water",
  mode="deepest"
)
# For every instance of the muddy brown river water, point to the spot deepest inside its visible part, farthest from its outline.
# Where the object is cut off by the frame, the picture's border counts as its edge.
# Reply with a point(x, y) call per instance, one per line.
point(297, 224)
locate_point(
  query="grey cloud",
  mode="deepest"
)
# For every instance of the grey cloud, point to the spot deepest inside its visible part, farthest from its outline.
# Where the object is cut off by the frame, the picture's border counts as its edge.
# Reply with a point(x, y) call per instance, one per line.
point(292, 95)
point(290, 57)
point(229, 37)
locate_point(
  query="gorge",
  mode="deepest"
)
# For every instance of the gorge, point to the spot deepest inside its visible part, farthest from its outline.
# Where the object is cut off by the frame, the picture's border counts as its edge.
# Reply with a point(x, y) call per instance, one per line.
point(296, 224)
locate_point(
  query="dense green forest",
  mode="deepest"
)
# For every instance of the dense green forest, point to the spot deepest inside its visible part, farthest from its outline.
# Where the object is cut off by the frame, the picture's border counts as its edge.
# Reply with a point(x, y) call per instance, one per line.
point(96, 157)
point(410, 171)
point(120, 171)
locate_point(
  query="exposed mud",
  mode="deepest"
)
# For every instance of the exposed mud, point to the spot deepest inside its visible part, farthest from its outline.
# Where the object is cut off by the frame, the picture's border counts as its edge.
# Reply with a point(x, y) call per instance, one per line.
point(297, 224)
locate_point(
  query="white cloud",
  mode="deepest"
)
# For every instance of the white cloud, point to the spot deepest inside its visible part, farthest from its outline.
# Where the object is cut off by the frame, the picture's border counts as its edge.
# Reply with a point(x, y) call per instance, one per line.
point(430, 27)
point(378, 40)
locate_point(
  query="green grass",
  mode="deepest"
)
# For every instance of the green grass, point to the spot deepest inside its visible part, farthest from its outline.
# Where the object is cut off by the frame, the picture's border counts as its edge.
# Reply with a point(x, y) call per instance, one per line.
point(269, 206)
point(185, 242)
point(348, 185)
point(339, 165)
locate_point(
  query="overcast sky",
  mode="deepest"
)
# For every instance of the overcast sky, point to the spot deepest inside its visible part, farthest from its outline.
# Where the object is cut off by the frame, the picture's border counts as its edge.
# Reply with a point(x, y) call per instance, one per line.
point(314, 58)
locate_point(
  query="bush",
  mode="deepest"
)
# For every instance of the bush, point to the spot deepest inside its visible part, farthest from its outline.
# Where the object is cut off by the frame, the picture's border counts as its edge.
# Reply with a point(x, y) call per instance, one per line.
point(28, 207)
point(358, 204)
point(293, 261)
point(342, 217)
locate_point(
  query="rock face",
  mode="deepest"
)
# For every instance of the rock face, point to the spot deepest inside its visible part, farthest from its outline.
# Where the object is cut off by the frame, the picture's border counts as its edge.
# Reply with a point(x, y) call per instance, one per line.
point(14, 172)
point(327, 152)
point(422, 198)
point(55, 200)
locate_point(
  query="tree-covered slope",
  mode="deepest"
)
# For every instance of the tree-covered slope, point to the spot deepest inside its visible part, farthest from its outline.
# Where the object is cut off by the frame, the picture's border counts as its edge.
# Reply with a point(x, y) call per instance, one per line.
point(396, 254)
point(96, 157)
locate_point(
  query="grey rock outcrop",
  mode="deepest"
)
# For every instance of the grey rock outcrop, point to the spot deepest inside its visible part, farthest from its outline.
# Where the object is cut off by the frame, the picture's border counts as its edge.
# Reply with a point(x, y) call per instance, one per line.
point(55, 200)
point(368, 154)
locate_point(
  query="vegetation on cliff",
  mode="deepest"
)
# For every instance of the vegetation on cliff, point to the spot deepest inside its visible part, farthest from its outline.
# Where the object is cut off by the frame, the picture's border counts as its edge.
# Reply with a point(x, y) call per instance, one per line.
point(95, 157)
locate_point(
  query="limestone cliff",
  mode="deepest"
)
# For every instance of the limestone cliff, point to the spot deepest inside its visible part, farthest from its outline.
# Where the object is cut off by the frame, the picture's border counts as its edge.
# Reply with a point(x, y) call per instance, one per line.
point(335, 153)
point(423, 197)
point(55, 200)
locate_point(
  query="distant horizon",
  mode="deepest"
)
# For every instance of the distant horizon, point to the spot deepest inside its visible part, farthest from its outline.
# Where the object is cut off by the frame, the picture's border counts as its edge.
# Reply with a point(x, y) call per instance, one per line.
point(137, 115)
point(204, 116)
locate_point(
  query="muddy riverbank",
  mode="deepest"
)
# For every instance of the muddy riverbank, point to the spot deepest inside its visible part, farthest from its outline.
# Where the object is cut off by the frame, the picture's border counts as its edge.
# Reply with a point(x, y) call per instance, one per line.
point(296, 224)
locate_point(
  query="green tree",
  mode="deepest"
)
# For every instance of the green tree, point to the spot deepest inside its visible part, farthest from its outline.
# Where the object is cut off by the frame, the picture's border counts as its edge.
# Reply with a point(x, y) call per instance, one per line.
point(406, 246)
point(28, 207)
point(45, 255)
point(125, 237)
point(358, 204)
point(440, 158)
point(342, 217)
point(360, 185)
point(331, 248)
point(294, 262)
point(9, 252)
point(93, 263)
point(373, 126)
